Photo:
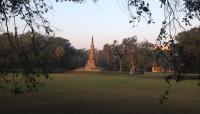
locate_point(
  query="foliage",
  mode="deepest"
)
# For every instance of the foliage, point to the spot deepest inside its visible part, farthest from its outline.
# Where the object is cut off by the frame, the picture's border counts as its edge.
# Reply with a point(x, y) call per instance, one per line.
point(130, 54)
point(131, 51)
point(30, 12)
point(146, 55)
point(189, 53)
point(14, 74)
point(183, 57)
point(107, 49)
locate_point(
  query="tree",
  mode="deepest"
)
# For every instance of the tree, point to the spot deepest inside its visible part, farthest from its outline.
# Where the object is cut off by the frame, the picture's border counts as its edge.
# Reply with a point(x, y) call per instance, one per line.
point(51, 48)
point(108, 54)
point(59, 52)
point(146, 55)
point(118, 52)
point(189, 53)
point(131, 51)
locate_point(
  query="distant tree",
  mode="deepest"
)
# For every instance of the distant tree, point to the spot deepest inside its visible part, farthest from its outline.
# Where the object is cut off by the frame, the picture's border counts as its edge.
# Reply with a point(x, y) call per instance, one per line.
point(81, 55)
point(107, 49)
point(146, 55)
point(59, 52)
point(118, 52)
point(189, 53)
point(129, 54)
point(52, 50)
point(131, 51)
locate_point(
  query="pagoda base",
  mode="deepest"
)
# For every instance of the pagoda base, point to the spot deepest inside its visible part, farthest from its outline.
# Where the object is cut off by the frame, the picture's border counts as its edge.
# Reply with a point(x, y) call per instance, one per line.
point(88, 69)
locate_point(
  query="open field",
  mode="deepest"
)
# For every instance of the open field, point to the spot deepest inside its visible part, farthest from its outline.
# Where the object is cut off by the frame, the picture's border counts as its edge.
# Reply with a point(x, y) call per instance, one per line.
point(101, 93)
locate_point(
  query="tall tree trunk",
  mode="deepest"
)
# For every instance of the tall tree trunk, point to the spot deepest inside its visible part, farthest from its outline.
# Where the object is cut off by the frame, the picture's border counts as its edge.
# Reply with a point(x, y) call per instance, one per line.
point(120, 65)
point(108, 65)
point(133, 68)
point(60, 62)
point(132, 62)
point(108, 60)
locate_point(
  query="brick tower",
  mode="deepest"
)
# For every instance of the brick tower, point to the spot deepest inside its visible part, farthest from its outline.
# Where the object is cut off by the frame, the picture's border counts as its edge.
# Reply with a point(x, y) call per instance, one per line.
point(91, 63)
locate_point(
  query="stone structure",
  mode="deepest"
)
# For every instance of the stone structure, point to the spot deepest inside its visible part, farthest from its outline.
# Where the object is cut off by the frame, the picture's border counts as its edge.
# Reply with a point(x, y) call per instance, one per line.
point(91, 63)
point(155, 66)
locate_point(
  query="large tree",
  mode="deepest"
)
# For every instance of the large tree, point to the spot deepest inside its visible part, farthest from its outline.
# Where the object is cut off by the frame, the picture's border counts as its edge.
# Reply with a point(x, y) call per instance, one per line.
point(189, 53)
point(146, 55)
point(107, 49)
point(118, 53)
point(59, 52)
point(131, 51)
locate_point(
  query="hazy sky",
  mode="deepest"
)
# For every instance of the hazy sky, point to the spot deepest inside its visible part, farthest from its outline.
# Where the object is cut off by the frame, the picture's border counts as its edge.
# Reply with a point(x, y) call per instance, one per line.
point(106, 21)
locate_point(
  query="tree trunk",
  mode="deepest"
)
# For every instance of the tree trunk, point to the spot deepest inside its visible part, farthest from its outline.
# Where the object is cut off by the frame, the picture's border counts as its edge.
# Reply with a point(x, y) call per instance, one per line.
point(120, 65)
point(132, 65)
point(108, 66)
point(133, 68)
point(108, 61)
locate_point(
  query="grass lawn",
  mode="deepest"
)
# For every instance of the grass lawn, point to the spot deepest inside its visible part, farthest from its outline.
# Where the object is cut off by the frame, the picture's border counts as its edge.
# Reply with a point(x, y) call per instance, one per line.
point(101, 93)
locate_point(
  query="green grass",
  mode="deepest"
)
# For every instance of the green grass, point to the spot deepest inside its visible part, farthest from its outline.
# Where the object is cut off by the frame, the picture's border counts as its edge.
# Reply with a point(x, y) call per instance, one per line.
point(101, 93)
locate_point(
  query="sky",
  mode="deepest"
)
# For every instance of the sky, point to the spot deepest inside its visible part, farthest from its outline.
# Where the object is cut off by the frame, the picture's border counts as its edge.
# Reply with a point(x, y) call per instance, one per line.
point(106, 21)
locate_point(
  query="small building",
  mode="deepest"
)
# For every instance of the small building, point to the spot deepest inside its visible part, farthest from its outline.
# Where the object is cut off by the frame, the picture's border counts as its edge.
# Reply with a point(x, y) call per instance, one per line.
point(156, 67)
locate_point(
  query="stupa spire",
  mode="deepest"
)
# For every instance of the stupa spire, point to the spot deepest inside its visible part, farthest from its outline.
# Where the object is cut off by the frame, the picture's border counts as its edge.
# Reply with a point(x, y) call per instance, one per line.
point(92, 45)
point(91, 63)
point(92, 40)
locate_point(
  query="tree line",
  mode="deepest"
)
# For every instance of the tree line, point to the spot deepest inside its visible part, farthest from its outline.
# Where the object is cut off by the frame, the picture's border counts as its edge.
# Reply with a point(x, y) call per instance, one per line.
point(182, 55)
point(53, 53)
point(129, 55)
point(57, 54)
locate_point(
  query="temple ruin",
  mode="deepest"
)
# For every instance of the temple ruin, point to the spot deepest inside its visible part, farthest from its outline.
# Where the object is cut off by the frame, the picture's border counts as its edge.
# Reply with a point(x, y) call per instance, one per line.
point(91, 62)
